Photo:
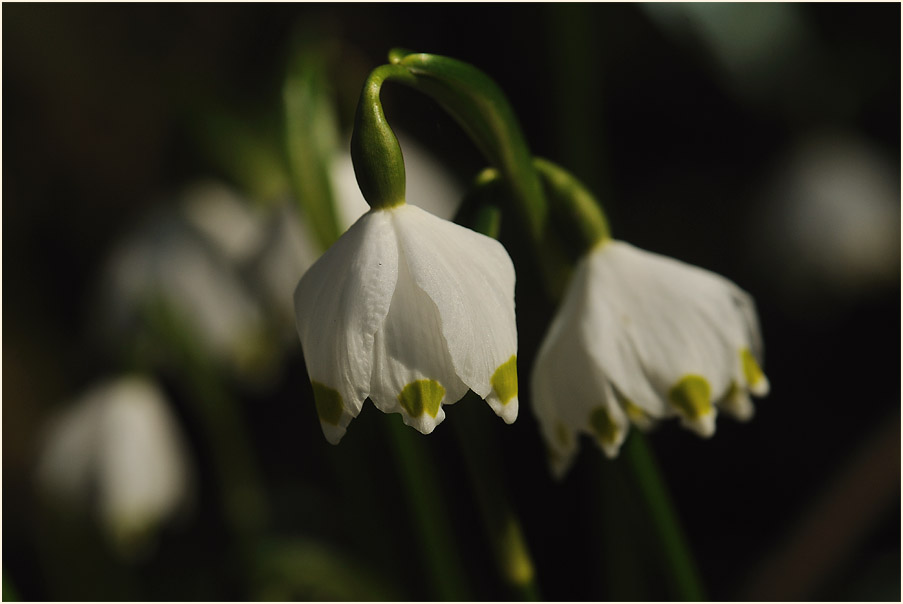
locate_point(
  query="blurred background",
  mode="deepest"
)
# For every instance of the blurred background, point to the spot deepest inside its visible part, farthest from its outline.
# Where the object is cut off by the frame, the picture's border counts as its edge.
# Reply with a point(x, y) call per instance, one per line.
point(167, 171)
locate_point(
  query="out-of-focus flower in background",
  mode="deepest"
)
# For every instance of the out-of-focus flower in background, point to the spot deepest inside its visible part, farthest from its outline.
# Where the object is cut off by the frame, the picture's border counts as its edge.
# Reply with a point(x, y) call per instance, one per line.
point(640, 337)
point(410, 310)
point(759, 48)
point(181, 262)
point(830, 220)
point(118, 449)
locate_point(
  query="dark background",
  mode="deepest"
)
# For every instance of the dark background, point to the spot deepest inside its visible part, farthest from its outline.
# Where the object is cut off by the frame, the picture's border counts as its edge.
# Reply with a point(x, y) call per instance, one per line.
point(686, 146)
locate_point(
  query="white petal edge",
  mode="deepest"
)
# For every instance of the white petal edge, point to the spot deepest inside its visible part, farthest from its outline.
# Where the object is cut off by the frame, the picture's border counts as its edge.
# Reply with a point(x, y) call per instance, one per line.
point(568, 386)
point(340, 303)
point(470, 278)
point(410, 347)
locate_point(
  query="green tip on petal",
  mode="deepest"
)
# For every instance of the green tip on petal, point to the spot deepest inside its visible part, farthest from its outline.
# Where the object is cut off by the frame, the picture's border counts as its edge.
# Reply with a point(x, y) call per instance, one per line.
point(422, 396)
point(751, 370)
point(504, 380)
point(328, 402)
point(603, 426)
point(692, 396)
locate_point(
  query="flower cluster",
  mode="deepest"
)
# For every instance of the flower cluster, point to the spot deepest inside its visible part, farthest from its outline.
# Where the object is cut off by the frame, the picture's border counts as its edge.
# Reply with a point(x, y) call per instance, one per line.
point(412, 311)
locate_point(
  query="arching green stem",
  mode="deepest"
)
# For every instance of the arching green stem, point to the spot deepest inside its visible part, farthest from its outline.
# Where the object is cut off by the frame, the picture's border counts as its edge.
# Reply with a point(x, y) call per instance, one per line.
point(375, 152)
point(572, 206)
point(482, 110)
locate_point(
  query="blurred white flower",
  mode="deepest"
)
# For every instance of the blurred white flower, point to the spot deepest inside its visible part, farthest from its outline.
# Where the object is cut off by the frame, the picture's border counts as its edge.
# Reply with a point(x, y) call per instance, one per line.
point(118, 441)
point(641, 337)
point(226, 219)
point(760, 47)
point(410, 310)
point(832, 214)
point(169, 260)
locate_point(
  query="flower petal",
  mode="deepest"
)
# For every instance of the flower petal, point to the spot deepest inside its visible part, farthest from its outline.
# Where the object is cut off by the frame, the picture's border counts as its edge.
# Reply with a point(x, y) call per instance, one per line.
point(570, 391)
point(340, 303)
point(413, 373)
point(470, 278)
point(679, 320)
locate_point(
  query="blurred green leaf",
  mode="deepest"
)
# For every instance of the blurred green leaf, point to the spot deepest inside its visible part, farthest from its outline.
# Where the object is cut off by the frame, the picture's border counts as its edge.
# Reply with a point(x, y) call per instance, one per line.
point(311, 136)
point(246, 150)
point(302, 569)
point(9, 592)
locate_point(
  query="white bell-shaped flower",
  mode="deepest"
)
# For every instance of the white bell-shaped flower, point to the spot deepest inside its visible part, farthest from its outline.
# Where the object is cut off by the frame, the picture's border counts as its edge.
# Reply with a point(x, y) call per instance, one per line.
point(119, 443)
point(640, 337)
point(409, 310)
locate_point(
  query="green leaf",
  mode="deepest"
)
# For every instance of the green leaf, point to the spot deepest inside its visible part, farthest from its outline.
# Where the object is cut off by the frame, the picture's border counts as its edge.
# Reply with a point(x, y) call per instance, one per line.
point(311, 138)
point(304, 569)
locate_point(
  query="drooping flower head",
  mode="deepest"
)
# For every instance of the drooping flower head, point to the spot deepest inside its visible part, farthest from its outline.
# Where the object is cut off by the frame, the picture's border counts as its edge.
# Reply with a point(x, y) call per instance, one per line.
point(641, 337)
point(405, 308)
point(118, 446)
point(410, 310)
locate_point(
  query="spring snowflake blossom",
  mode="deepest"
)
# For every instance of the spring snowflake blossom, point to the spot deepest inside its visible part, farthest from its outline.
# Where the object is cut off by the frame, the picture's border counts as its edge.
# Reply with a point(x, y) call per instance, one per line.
point(119, 448)
point(641, 337)
point(409, 310)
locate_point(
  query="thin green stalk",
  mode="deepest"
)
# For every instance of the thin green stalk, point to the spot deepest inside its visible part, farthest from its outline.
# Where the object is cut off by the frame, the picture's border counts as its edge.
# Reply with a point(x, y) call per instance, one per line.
point(479, 446)
point(480, 107)
point(430, 513)
point(679, 560)
point(243, 495)
point(499, 518)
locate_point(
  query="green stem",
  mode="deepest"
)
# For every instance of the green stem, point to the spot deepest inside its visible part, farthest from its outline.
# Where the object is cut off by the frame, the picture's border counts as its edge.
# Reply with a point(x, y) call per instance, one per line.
point(482, 457)
point(480, 107)
point(476, 102)
point(375, 152)
point(430, 513)
point(243, 495)
point(676, 551)
point(573, 205)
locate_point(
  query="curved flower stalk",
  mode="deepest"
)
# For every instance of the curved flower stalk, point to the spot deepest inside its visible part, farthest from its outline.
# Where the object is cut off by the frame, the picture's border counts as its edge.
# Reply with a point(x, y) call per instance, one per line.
point(410, 310)
point(120, 441)
point(641, 337)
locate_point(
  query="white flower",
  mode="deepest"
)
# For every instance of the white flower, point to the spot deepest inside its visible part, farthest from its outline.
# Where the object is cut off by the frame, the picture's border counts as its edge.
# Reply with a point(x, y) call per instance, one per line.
point(169, 260)
point(641, 337)
point(120, 442)
point(410, 310)
point(288, 248)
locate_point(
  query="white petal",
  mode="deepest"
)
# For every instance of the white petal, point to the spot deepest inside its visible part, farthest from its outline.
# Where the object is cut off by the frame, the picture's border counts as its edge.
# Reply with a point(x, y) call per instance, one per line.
point(470, 278)
point(340, 303)
point(738, 404)
point(606, 331)
point(119, 447)
point(413, 373)
point(680, 321)
point(142, 462)
point(570, 391)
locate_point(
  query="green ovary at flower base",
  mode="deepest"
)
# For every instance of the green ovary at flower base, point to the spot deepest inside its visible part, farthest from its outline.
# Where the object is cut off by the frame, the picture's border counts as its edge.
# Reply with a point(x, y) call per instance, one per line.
point(640, 337)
